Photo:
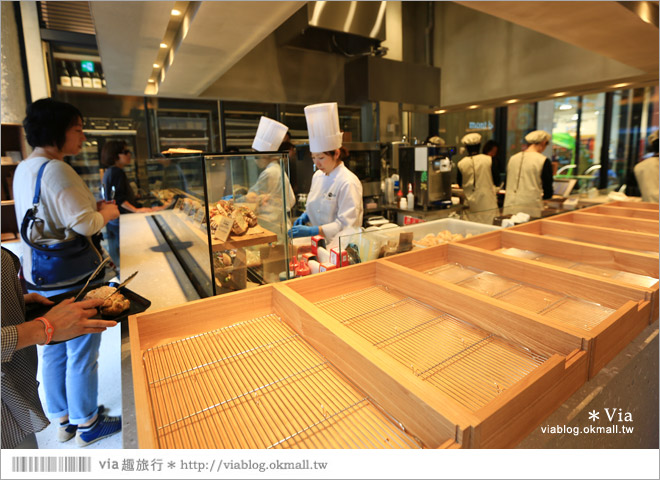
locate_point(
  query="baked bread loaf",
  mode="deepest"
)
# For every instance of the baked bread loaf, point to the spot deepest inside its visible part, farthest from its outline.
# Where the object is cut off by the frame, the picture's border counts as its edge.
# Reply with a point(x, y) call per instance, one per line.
point(241, 225)
point(112, 306)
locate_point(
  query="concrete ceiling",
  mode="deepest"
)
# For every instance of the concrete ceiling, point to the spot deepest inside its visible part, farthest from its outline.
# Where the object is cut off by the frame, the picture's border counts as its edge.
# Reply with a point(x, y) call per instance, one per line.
point(607, 28)
point(128, 35)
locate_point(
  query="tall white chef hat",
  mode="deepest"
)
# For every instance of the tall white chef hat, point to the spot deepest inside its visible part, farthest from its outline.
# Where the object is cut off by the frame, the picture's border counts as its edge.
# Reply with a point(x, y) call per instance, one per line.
point(471, 139)
point(323, 127)
point(269, 135)
point(653, 137)
point(537, 136)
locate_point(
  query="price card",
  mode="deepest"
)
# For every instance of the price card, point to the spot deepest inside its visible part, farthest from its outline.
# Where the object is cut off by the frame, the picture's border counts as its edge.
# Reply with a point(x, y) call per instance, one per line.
point(179, 204)
point(199, 215)
point(224, 228)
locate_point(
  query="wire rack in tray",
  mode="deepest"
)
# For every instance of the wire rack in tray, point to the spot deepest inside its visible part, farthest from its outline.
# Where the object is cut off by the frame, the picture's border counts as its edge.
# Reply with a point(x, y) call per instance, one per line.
point(257, 384)
point(466, 363)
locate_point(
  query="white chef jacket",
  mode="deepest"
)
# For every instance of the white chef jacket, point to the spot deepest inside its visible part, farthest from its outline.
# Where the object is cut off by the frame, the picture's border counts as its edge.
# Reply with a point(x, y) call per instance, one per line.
point(67, 206)
point(270, 212)
point(646, 173)
point(335, 201)
point(478, 182)
point(524, 187)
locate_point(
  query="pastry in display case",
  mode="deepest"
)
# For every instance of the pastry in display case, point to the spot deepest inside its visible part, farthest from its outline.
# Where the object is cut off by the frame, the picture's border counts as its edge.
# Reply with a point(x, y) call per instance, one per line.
point(229, 218)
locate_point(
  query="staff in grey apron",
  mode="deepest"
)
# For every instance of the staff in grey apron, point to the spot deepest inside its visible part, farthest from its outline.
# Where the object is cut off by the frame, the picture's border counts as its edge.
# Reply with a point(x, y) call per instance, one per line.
point(475, 175)
point(529, 177)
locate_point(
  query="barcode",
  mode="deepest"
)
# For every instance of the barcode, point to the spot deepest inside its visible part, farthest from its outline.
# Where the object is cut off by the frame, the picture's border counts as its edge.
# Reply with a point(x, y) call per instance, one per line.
point(51, 464)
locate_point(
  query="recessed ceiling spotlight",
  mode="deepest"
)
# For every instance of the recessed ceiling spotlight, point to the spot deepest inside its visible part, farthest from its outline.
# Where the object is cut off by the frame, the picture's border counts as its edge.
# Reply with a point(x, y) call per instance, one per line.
point(513, 100)
point(156, 65)
point(559, 94)
point(620, 85)
point(151, 80)
point(441, 111)
point(472, 107)
point(175, 12)
point(163, 45)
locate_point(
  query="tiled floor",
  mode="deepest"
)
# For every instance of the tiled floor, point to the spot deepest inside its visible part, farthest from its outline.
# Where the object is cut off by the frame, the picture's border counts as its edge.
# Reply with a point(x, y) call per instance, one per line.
point(109, 393)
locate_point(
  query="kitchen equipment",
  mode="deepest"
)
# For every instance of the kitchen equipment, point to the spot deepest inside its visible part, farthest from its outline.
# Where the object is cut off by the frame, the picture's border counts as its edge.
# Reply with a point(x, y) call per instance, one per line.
point(428, 168)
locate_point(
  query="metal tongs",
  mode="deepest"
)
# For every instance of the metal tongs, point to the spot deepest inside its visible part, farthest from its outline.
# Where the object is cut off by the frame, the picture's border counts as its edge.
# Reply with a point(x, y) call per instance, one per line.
point(122, 284)
point(98, 269)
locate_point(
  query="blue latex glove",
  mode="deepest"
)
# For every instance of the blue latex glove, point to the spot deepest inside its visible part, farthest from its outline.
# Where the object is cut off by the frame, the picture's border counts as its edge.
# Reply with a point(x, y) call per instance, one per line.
point(303, 231)
point(227, 197)
point(302, 219)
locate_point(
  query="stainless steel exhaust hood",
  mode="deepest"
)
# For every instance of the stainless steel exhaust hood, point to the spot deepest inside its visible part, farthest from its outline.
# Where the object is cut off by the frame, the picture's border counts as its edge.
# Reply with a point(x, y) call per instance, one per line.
point(335, 27)
point(375, 79)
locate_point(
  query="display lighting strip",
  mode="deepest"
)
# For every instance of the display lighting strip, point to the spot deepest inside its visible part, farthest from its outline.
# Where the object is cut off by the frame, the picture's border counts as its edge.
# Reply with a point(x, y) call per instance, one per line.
point(181, 17)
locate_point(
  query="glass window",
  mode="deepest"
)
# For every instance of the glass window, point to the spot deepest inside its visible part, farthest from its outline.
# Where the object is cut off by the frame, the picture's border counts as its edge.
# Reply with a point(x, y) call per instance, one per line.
point(591, 133)
point(520, 121)
point(564, 133)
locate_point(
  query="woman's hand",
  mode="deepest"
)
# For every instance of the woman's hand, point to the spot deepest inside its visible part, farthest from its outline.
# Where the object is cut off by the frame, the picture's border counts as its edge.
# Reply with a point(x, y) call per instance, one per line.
point(71, 319)
point(110, 211)
point(36, 298)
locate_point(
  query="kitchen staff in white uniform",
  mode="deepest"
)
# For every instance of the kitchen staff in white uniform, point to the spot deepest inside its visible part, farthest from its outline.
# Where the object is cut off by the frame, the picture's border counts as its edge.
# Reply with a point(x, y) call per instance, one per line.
point(529, 177)
point(475, 175)
point(646, 172)
point(334, 203)
point(267, 190)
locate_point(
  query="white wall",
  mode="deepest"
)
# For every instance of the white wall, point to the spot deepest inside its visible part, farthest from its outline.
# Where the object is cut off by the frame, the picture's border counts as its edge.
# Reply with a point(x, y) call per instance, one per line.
point(12, 93)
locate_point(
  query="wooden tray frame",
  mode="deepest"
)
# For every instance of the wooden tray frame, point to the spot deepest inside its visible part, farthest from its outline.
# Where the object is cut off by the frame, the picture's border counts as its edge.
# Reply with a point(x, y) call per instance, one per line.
point(632, 305)
point(595, 219)
point(502, 423)
point(635, 205)
point(431, 416)
point(614, 211)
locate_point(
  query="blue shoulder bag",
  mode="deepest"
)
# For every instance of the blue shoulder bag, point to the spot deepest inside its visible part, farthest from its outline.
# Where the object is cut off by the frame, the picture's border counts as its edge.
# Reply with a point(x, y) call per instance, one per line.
point(56, 263)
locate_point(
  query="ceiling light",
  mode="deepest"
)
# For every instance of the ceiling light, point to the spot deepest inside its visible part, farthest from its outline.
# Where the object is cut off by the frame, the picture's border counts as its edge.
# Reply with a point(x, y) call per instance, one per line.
point(440, 111)
point(156, 65)
point(472, 107)
point(175, 12)
point(565, 106)
point(513, 100)
point(559, 94)
point(151, 80)
point(163, 45)
point(620, 85)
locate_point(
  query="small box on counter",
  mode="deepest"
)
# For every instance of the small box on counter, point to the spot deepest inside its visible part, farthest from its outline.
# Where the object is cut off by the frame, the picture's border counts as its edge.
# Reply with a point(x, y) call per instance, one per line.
point(317, 241)
point(338, 257)
point(306, 257)
point(324, 267)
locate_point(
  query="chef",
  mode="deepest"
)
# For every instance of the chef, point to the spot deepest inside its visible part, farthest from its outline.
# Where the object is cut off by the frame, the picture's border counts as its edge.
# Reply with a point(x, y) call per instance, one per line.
point(475, 175)
point(646, 172)
point(529, 177)
point(334, 202)
point(267, 190)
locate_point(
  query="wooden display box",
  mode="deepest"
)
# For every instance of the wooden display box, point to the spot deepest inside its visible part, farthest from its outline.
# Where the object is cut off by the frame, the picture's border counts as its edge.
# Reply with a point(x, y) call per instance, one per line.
point(565, 253)
point(389, 314)
point(642, 213)
point(596, 235)
point(190, 392)
point(433, 417)
point(594, 219)
point(606, 315)
point(635, 205)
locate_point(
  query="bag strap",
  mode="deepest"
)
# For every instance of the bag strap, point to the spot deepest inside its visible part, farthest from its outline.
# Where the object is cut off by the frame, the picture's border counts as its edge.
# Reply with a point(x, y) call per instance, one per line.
point(30, 215)
point(37, 188)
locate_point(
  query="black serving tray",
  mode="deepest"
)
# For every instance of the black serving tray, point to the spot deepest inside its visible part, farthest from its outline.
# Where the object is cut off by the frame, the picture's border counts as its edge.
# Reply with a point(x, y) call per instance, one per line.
point(138, 304)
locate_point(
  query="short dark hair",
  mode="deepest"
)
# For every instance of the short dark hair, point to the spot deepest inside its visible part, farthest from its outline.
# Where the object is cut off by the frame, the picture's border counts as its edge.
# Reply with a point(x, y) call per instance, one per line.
point(343, 153)
point(110, 152)
point(488, 146)
point(46, 122)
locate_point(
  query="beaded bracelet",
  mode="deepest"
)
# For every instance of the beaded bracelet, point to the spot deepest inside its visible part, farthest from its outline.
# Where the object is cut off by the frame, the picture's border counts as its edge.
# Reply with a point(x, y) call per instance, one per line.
point(48, 328)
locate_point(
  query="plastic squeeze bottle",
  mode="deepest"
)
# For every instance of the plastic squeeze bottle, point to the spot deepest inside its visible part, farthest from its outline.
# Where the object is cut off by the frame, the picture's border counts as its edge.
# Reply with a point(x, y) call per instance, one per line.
point(410, 197)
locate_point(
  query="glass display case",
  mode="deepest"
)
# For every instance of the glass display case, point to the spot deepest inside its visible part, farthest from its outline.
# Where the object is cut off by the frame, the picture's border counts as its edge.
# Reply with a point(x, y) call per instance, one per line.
point(228, 218)
point(389, 239)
